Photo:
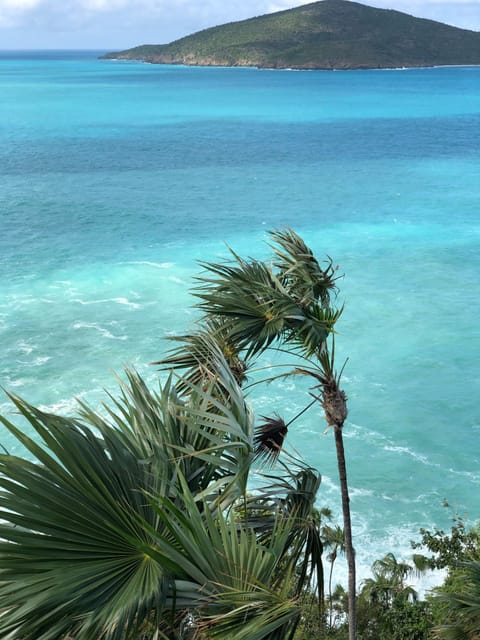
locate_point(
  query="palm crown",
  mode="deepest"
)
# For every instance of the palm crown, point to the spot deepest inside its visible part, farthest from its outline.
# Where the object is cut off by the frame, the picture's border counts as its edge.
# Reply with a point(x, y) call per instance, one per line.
point(261, 304)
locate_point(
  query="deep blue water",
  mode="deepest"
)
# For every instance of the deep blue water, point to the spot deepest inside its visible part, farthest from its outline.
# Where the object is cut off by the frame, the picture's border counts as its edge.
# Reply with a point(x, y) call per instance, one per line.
point(115, 178)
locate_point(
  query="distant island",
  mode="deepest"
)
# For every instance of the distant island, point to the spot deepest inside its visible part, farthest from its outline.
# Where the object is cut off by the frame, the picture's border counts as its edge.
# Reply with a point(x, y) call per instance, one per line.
point(331, 34)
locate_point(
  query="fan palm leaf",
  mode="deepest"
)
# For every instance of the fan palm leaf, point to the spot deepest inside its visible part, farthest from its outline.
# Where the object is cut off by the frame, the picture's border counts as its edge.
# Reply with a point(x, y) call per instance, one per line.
point(210, 434)
point(462, 607)
point(71, 551)
point(293, 496)
point(233, 578)
point(77, 527)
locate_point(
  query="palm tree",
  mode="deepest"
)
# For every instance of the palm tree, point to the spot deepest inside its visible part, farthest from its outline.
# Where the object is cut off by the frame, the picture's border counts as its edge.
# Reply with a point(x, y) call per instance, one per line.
point(388, 582)
point(333, 539)
point(82, 520)
point(123, 523)
point(287, 304)
point(462, 606)
point(292, 496)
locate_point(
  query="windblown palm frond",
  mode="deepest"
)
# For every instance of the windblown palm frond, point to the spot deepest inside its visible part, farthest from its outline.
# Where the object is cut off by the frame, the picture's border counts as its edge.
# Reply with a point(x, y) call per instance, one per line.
point(300, 271)
point(259, 307)
point(462, 607)
point(200, 352)
point(77, 526)
point(209, 435)
point(235, 582)
point(310, 333)
point(72, 554)
point(255, 306)
point(228, 418)
point(292, 496)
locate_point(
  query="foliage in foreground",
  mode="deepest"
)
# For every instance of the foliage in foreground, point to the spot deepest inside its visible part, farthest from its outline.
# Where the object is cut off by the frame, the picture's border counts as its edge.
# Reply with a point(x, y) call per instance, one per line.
point(455, 605)
point(134, 522)
point(127, 517)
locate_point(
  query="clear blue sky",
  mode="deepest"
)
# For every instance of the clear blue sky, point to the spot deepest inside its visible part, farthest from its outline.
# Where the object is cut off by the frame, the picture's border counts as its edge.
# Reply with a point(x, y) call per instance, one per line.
point(119, 24)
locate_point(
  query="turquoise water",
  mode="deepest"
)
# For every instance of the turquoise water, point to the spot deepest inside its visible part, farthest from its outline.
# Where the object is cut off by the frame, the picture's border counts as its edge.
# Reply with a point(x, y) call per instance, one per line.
point(117, 177)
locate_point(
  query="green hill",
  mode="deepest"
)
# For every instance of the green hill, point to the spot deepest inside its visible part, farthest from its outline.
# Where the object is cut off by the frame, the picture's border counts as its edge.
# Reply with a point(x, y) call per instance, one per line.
point(331, 34)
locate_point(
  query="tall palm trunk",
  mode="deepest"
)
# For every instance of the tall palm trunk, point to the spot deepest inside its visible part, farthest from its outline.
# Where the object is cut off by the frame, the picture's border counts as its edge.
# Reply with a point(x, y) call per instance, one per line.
point(333, 557)
point(334, 403)
point(330, 577)
point(347, 527)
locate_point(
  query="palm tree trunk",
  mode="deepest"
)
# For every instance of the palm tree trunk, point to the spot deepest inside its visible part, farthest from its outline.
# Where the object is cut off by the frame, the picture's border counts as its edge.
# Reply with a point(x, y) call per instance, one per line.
point(347, 528)
point(330, 590)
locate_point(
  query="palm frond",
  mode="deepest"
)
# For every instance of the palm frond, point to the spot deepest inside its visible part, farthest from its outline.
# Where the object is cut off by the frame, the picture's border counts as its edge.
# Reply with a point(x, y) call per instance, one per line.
point(160, 428)
point(462, 607)
point(292, 495)
point(257, 309)
point(77, 528)
point(199, 353)
point(269, 438)
point(300, 271)
point(310, 333)
point(251, 617)
point(231, 575)
point(72, 553)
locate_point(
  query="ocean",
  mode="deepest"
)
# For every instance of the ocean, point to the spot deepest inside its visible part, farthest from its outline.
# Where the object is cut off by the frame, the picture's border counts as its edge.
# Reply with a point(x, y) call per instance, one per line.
point(116, 178)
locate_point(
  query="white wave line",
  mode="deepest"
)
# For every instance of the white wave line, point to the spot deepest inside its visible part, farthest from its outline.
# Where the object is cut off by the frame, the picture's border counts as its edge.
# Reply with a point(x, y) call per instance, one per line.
point(124, 301)
point(104, 332)
point(147, 263)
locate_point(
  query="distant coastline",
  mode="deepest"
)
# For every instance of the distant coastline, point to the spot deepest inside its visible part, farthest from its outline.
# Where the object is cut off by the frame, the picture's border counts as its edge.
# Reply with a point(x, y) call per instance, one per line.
point(218, 66)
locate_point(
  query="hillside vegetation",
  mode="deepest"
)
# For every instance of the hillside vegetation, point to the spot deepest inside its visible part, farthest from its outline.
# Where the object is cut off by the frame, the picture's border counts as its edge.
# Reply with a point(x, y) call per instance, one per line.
point(331, 34)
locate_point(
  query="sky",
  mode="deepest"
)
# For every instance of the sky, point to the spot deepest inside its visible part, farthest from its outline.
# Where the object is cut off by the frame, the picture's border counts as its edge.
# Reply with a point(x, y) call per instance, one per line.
point(119, 24)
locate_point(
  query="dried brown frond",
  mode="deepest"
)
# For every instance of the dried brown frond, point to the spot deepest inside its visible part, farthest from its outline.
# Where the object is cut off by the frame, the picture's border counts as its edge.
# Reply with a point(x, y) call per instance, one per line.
point(269, 438)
